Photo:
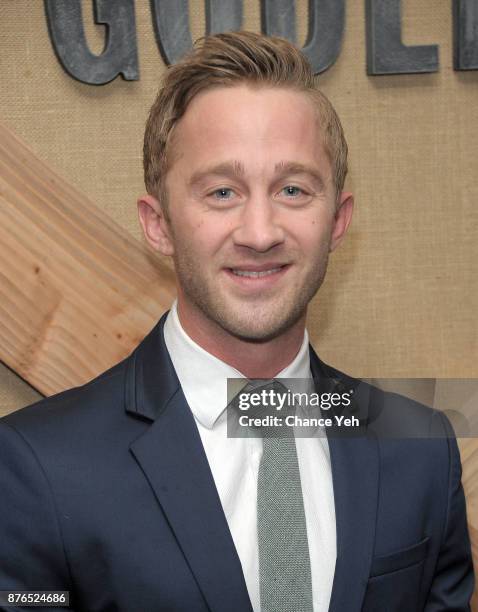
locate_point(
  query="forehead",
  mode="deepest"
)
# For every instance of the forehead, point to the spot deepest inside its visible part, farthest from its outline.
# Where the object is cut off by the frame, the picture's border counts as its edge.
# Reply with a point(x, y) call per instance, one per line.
point(259, 126)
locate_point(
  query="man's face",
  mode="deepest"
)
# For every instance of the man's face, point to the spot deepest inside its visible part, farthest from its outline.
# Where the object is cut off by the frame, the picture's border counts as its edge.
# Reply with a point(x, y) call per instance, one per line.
point(252, 209)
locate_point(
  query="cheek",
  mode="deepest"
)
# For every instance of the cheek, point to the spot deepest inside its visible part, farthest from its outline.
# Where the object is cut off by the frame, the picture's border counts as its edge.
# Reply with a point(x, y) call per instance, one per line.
point(212, 232)
point(186, 230)
point(201, 239)
point(312, 235)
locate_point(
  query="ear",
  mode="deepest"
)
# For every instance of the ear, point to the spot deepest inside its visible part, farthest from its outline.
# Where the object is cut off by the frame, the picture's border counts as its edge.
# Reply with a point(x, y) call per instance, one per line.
point(155, 225)
point(343, 216)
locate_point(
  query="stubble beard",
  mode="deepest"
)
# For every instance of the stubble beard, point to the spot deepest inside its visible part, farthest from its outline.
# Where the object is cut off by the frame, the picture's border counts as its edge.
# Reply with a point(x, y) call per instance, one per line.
point(254, 320)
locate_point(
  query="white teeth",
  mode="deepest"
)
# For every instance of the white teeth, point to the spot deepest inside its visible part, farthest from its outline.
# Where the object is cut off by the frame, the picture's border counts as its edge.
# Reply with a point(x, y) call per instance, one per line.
point(253, 274)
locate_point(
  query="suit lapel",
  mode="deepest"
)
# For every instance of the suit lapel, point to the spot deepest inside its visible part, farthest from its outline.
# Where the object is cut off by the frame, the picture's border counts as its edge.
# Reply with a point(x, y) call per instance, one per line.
point(355, 475)
point(173, 460)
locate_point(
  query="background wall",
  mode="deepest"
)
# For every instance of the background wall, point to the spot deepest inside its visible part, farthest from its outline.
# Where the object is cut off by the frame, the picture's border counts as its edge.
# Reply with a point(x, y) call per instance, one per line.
point(401, 295)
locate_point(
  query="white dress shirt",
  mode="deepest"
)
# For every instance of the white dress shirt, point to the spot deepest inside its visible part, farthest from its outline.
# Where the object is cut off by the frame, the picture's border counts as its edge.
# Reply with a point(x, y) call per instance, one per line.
point(234, 462)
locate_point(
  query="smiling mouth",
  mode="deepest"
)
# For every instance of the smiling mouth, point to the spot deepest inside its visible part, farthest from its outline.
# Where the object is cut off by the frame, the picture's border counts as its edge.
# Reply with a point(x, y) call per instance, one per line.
point(256, 273)
point(250, 272)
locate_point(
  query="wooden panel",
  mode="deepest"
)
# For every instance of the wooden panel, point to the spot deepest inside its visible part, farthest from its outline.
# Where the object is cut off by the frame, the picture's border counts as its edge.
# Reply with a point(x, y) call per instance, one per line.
point(469, 459)
point(77, 292)
point(459, 399)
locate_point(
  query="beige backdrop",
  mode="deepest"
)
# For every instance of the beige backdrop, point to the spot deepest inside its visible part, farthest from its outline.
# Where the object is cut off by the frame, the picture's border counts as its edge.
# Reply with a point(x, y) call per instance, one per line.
point(401, 295)
point(401, 298)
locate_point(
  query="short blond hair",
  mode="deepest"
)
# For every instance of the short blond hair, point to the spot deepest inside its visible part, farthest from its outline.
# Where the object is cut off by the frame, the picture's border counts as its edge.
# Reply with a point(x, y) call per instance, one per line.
point(226, 60)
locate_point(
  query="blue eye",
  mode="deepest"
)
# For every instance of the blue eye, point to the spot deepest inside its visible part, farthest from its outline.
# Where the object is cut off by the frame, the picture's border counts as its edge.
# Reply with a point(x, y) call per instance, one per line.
point(223, 193)
point(292, 191)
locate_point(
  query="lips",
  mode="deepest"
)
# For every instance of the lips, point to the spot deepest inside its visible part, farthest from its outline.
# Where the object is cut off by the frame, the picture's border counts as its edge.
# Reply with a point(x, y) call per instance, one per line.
point(256, 273)
point(249, 276)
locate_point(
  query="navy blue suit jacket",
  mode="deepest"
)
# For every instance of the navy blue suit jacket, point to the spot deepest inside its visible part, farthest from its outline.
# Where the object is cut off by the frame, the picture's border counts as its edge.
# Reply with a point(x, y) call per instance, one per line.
point(106, 492)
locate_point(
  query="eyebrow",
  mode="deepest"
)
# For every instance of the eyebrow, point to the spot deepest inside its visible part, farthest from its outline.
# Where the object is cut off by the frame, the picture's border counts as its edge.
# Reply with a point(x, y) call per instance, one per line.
point(235, 169)
point(284, 169)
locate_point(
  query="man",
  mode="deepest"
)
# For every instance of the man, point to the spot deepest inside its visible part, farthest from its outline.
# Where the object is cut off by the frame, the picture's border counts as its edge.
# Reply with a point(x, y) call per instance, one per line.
point(128, 493)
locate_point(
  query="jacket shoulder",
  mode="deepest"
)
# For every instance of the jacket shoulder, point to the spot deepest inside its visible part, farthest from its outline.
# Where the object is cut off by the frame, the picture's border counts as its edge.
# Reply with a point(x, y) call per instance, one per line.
point(100, 396)
point(389, 414)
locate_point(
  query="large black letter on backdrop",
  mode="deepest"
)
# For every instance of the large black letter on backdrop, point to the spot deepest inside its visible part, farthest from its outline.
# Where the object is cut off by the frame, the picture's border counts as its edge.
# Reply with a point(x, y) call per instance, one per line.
point(386, 54)
point(67, 35)
point(465, 34)
point(325, 30)
point(171, 24)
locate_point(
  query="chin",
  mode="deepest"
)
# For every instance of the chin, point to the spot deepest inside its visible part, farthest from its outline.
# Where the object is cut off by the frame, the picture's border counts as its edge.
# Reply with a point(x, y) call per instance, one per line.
point(257, 329)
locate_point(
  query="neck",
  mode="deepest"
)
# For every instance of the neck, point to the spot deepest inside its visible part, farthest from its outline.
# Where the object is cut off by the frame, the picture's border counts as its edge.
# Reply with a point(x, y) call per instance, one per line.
point(254, 359)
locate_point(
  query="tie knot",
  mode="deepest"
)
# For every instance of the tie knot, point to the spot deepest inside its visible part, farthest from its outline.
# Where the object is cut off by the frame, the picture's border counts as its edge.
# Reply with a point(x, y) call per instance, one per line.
point(265, 405)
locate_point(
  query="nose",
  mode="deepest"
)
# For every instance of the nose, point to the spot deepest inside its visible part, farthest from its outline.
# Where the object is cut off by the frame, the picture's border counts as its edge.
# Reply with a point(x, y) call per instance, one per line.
point(259, 227)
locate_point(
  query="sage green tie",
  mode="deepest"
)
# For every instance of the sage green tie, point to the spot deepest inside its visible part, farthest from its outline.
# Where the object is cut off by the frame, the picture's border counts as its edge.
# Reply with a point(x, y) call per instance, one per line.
point(284, 562)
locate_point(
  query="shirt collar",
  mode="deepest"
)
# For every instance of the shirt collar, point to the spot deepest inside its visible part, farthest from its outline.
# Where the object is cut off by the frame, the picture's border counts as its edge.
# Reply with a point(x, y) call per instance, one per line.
point(203, 377)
